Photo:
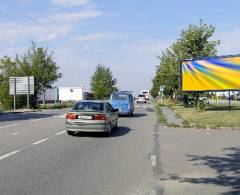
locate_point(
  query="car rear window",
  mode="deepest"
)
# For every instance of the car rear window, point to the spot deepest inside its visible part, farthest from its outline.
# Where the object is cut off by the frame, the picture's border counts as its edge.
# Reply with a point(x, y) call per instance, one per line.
point(119, 96)
point(141, 95)
point(88, 107)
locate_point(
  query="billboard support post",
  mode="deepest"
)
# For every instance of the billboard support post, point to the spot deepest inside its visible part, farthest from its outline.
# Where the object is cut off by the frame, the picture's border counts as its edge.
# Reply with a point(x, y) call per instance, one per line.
point(229, 101)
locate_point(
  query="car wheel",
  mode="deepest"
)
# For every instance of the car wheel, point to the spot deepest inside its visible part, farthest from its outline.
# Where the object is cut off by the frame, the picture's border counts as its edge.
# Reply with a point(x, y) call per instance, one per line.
point(70, 132)
point(116, 126)
point(109, 132)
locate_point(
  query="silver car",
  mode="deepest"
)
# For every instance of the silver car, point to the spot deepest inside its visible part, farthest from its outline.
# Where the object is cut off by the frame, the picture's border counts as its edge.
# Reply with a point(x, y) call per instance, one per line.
point(141, 98)
point(92, 116)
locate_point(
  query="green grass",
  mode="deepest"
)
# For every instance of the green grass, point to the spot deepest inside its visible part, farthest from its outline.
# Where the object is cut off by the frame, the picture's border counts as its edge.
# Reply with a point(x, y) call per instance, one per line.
point(214, 116)
point(57, 105)
point(160, 117)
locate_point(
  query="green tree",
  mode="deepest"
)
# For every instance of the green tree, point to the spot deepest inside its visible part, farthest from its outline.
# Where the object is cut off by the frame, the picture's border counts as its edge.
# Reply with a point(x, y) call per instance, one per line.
point(39, 63)
point(36, 62)
point(194, 42)
point(102, 82)
point(8, 68)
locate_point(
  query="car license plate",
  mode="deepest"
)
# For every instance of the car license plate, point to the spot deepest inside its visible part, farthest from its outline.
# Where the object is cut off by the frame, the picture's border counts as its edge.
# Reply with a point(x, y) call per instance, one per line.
point(85, 117)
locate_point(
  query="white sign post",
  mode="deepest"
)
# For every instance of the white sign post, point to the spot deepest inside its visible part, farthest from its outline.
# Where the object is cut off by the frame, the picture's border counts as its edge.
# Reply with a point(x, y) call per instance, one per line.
point(21, 86)
point(161, 89)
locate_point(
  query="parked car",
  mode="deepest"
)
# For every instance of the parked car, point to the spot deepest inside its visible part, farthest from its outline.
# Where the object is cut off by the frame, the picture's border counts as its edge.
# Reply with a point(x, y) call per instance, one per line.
point(141, 98)
point(123, 102)
point(91, 116)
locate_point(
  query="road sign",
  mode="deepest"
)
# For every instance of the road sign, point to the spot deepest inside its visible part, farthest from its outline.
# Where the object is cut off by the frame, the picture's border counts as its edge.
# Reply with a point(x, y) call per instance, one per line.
point(162, 87)
point(21, 85)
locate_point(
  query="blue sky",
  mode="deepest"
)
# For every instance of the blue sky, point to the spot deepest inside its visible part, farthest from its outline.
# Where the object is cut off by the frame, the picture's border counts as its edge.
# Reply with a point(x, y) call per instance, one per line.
point(125, 35)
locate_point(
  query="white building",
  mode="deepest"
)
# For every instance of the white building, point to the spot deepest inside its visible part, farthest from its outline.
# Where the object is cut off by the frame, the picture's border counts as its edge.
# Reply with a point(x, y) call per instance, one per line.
point(71, 93)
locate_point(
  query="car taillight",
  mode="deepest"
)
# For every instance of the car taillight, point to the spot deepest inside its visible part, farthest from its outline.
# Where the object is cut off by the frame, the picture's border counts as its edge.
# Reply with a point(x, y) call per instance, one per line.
point(71, 116)
point(99, 117)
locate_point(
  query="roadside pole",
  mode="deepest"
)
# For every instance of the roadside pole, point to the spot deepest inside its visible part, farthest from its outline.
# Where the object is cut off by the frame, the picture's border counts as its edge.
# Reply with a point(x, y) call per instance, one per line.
point(161, 89)
point(28, 91)
point(14, 94)
point(161, 98)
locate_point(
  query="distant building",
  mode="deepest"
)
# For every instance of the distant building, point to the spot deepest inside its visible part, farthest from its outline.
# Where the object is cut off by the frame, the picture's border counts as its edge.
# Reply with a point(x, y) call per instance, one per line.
point(71, 93)
point(51, 95)
point(62, 94)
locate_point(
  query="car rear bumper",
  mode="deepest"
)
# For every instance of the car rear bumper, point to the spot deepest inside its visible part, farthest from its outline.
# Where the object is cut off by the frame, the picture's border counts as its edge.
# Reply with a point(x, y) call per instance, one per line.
point(141, 101)
point(83, 127)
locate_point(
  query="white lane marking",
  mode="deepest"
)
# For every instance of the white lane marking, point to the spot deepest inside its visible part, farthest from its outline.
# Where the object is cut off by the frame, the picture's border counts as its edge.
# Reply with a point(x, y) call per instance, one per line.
point(137, 106)
point(153, 159)
point(15, 133)
point(9, 154)
point(144, 106)
point(40, 141)
point(8, 126)
point(34, 120)
point(62, 132)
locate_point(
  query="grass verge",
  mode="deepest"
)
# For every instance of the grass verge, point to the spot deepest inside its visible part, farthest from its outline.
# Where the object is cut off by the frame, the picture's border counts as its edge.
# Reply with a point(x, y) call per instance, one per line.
point(214, 116)
point(160, 116)
point(57, 105)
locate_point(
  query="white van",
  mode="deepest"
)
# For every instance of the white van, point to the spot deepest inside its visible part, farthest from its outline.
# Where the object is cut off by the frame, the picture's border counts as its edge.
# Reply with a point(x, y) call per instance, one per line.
point(146, 93)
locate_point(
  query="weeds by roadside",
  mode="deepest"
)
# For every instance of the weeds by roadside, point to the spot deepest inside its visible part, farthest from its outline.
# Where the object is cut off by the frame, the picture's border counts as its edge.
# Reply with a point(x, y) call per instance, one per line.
point(57, 105)
point(160, 116)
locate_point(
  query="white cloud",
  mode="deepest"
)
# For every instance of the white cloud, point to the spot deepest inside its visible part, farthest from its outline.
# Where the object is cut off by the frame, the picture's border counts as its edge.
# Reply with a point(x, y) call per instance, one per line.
point(71, 2)
point(11, 31)
point(74, 17)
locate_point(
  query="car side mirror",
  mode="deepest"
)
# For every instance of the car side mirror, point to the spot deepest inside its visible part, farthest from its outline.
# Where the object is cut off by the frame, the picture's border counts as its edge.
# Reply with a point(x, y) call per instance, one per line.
point(115, 110)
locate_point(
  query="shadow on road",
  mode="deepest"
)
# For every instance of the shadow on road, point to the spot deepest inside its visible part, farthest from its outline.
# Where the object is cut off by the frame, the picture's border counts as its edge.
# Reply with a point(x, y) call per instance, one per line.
point(138, 115)
point(135, 115)
point(150, 110)
point(227, 168)
point(121, 131)
point(23, 116)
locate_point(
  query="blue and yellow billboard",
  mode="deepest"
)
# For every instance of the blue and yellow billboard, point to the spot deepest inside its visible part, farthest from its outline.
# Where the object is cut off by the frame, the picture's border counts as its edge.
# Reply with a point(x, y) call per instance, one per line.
point(211, 74)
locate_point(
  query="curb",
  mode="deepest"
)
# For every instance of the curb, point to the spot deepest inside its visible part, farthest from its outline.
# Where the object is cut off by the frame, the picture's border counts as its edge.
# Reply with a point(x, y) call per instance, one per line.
point(19, 112)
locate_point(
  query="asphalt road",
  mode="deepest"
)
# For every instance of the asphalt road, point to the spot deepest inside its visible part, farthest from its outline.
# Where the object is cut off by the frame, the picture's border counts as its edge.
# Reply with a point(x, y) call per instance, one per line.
point(38, 157)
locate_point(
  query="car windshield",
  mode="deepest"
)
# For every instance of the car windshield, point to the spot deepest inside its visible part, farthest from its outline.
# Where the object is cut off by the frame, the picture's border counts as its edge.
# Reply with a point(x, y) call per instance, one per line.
point(88, 107)
point(119, 96)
